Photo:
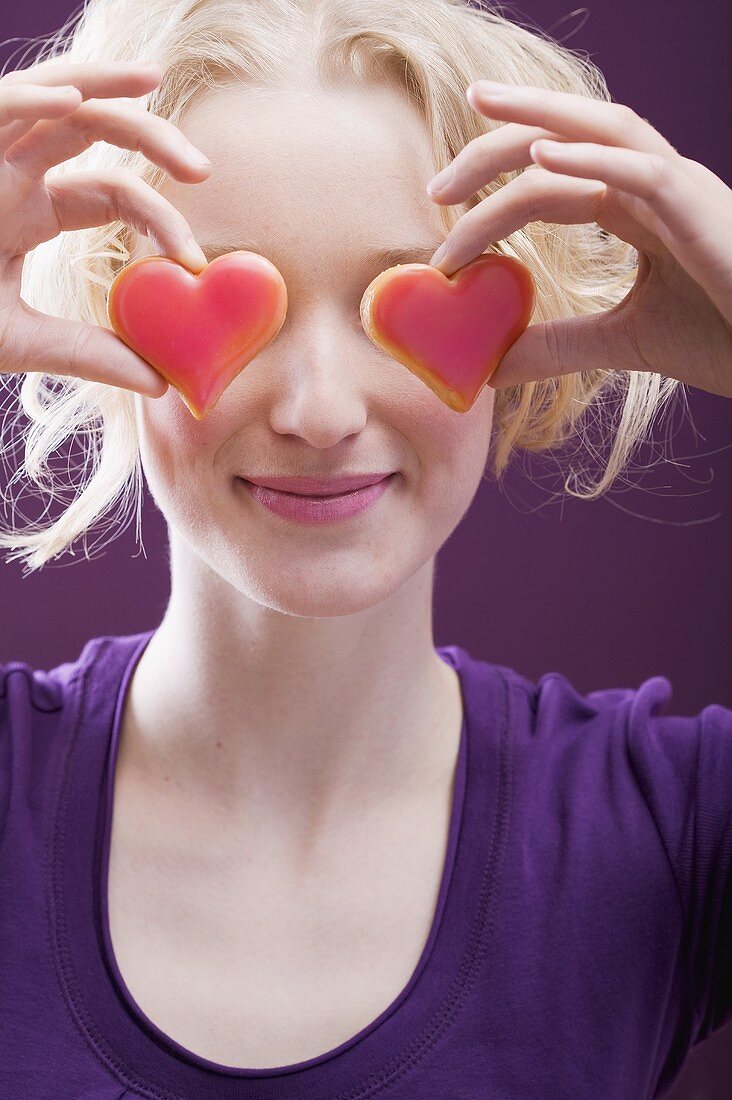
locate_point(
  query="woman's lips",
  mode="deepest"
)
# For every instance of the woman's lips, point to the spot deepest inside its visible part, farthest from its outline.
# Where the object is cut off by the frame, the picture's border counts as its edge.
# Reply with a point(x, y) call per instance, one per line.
point(320, 487)
point(318, 509)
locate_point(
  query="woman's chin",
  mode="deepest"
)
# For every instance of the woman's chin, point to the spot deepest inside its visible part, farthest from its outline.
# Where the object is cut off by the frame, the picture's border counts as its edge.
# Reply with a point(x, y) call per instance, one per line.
point(332, 598)
point(308, 585)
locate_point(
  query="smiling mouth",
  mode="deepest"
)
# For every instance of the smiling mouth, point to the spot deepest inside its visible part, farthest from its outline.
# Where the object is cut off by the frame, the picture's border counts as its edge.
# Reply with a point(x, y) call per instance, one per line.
point(322, 496)
point(317, 496)
point(306, 508)
point(318, 489)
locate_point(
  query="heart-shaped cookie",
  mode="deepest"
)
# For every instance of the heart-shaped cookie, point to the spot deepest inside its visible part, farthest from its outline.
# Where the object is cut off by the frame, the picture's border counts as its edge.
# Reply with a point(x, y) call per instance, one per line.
point(198, 331)
point(451, 331)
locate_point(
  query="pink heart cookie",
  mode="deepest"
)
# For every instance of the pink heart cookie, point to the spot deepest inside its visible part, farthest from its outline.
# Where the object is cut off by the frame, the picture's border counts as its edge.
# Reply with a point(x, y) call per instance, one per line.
point(198, 331)
point(451, 331)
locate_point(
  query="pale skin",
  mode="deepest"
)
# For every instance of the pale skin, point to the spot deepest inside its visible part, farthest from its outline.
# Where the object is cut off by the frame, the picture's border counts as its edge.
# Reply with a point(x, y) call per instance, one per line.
point(304, 816)
point(596, 161)
point(291, 722)
point(290, 736)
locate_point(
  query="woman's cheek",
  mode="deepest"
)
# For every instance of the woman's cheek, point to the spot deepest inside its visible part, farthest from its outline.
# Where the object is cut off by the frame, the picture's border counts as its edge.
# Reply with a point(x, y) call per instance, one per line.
point(173, 441)
point(459, 441)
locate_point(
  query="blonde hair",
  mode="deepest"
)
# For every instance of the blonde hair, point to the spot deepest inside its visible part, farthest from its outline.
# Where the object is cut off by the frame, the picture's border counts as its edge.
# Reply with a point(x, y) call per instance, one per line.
point(432, 53)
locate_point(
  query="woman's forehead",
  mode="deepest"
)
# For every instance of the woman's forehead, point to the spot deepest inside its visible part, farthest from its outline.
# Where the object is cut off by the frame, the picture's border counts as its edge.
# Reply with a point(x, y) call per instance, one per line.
point(355, 170)
point(342, 132)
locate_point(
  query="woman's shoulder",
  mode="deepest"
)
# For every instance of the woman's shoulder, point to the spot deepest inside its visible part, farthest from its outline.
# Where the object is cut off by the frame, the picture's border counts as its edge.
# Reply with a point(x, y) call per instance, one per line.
point(41, 709)
point(23, 683)
point(550, 714)
point(32, 702)
point(26, 685)
point(614, 775)
point(556, 705)
point(626, 736)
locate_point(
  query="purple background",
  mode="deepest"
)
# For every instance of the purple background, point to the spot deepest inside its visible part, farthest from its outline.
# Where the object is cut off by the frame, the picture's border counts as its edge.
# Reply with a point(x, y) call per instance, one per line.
point(651, 561)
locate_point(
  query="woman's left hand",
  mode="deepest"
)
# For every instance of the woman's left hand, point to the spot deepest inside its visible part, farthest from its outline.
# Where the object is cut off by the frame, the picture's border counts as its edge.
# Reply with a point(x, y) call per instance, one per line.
point(604, 163)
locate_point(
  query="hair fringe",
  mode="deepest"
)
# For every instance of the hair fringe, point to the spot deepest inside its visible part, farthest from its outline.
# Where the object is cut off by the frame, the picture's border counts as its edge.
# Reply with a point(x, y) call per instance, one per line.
point(578, 269)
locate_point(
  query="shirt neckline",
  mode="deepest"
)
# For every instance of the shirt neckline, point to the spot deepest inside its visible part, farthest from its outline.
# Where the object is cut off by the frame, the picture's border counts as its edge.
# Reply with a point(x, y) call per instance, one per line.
point(152, 1062)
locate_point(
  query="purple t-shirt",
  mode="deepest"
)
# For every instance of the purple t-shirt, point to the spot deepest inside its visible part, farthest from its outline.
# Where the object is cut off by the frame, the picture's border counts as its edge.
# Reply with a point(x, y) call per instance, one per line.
point(580, 946)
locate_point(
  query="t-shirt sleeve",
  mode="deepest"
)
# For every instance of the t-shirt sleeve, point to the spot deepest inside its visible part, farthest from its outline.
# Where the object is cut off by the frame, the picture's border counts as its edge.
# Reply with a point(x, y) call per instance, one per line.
point(683, 766)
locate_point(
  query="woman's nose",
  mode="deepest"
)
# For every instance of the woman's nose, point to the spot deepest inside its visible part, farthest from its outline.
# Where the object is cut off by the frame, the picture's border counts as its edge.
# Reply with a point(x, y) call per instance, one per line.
point(317, 389)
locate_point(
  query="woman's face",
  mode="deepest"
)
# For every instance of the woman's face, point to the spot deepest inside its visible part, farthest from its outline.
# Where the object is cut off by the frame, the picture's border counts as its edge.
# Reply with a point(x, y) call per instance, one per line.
point(315, 181)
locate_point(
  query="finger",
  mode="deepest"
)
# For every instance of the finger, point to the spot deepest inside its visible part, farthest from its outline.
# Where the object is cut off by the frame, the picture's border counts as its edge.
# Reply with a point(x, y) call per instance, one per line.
point(572, 345)
point(23, 105)
point(578, 117)
point(114, 78)
point(84, 199)
point(32, 101)
point(505, 149)
point(37, 342)
point(644, 175)
point(533, 196)
point(53, 141)
point(93, 78)
point(665, 196)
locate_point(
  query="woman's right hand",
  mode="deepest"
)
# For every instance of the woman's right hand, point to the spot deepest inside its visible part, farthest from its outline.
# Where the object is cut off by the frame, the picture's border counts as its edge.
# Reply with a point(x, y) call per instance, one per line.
point(43, 123)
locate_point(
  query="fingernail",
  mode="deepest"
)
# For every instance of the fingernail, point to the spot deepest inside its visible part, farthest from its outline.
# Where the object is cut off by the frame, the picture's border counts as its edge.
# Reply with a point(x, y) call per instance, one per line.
point(441, 180)
point(553, 148)
point(195, 257)
point(490, 87)
point(439, 255)
point(197, 157)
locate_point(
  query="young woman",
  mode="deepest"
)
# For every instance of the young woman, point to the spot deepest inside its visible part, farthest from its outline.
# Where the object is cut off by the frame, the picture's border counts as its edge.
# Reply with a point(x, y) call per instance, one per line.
point(281, 846)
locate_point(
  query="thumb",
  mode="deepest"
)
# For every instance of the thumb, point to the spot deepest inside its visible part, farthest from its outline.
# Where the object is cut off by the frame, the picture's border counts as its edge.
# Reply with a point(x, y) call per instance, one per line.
point(36, 341)
point(564, 346)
